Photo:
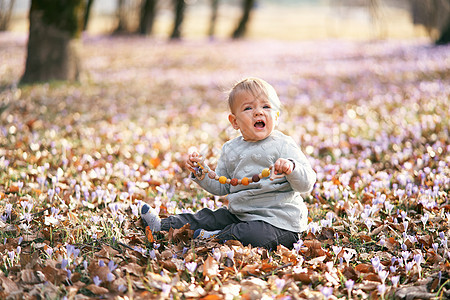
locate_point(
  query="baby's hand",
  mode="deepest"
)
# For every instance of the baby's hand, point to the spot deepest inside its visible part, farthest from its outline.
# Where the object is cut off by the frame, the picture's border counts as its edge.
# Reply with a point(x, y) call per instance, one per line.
point(283, 166)
point(193, 158)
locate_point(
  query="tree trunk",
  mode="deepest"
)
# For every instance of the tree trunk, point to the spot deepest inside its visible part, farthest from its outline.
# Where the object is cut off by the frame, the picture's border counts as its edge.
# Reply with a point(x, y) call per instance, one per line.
point(54, 40)
point(179, 7)
point(247, 6)
point(5, 14)
point(212, 23)
point(148, 13)
point(434, 15)
point(87, 13)
point(122, 25)
point(444, 37)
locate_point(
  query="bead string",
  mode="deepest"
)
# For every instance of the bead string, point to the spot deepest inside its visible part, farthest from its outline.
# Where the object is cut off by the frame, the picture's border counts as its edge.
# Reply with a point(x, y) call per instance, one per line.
point(203, 169)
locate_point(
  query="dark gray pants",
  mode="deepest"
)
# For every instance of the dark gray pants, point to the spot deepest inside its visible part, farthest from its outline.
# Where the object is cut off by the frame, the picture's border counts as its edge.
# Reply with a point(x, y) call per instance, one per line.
point(255, 233)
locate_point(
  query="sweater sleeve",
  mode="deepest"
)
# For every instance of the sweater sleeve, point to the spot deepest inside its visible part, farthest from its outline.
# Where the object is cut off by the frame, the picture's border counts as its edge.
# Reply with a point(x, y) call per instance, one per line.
point(303, 177)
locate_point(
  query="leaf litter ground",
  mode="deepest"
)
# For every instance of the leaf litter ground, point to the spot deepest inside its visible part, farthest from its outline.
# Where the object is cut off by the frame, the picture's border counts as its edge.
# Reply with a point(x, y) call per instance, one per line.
point(78, 160)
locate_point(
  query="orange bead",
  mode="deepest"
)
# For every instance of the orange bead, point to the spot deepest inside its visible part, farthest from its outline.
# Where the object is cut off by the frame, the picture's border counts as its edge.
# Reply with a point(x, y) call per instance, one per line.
point(244, 181)
point(234, 181)
point(222, 179)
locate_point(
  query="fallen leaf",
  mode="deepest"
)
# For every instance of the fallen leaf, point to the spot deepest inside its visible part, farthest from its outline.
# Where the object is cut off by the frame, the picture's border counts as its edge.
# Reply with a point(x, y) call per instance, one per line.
point(169, 265)
point(149, 235)
point(133, 268)
point(13, 189)
point(183, 234)
point(304, 278)
point(212, 297)
point(364, 268)
point(8, 285)
point(98, 290)
point(211, 267)
point(28, 276)
point(251, 270)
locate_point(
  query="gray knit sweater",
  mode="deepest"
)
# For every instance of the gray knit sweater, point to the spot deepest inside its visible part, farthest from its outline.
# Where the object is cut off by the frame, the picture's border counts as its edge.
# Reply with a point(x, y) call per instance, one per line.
point(276, 202)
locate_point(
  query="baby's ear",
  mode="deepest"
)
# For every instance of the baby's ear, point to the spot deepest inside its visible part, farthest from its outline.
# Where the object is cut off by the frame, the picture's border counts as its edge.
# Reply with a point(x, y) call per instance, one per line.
point(232, 119)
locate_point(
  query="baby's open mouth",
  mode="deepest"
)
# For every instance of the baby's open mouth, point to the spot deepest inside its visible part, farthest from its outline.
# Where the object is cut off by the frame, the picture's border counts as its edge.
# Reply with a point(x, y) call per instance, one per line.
point(260, 124)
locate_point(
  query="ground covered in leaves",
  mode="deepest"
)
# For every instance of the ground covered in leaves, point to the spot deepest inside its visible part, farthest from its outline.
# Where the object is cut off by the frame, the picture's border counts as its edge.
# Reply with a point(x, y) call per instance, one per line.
point(78, 160)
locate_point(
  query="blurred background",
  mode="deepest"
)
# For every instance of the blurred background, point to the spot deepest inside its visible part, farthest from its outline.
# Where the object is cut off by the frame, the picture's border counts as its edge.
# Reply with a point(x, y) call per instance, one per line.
point(56, 26)
point(267, 19)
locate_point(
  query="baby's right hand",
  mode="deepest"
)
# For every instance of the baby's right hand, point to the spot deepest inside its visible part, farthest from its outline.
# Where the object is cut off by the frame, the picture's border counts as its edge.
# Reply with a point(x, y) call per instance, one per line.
point(193, 158)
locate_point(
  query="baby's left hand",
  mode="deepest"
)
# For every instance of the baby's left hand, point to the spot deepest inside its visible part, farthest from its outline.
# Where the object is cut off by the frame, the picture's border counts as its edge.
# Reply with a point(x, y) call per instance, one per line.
point(283, 166)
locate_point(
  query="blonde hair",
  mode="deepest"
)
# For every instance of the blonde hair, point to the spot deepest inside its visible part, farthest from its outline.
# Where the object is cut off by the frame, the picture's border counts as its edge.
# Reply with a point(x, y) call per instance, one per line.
point(257, 87)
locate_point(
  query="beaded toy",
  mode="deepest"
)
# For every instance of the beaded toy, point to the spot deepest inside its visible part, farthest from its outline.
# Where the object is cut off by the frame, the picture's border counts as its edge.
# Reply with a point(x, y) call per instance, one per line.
point(203, 169)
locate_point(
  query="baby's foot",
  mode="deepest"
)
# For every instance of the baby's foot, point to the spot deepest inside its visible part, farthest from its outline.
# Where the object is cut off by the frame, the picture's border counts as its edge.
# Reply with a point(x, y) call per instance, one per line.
point(204, 234)
point(150, 218)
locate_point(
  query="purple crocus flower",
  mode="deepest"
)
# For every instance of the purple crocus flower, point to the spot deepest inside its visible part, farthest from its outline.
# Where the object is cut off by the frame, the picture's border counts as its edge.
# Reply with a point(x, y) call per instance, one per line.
point(327, 292)
point(96, 280)
point(191, 266)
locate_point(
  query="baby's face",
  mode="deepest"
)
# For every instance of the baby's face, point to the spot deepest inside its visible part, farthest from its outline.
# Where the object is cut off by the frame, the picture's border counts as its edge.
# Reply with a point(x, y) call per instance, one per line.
point(255, 118)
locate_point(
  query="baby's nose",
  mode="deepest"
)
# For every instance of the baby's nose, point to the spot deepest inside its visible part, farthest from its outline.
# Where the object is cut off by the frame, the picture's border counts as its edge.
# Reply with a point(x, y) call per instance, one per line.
point(258, 111)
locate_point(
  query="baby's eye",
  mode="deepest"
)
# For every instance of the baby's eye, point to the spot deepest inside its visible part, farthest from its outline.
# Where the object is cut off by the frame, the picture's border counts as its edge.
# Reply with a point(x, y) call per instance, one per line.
point(247, 108)
point(267, 107)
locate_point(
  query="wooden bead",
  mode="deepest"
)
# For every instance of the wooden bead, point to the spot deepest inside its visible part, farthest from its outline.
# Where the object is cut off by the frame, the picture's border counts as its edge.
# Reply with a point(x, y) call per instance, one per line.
point(244, 181)
point(255, 178)
point(222, 179)
point(265, 172)
point(234, 181)
point(212, 175)
point(228, 181)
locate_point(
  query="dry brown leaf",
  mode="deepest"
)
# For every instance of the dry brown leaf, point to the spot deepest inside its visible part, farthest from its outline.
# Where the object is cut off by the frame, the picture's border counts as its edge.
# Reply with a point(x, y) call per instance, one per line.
point(28, 276)
point(391, 243)
point(13, 189)
point(210, 267)
point(54, 275)
point(364, 268)
point(166, 254)
point(169, 265)
point(29, 260)
point(372, 277)
point(286, 255)
point(349, 273)
point(414, 292)
point(149, 235)
point(314, 249)
point(304, 278)
point(212, 297)
point(268, 267)
point(366, 285)
point(250, 270)
point(377, 230)
point(327, 233)
point(234, 243)
point(107, 252)
point(8, 285)
point(426, 240)
point(316, 260)
point(96, 270)
point(133, 268)
point(98, 290)
point(365, 238)
point(183, 234)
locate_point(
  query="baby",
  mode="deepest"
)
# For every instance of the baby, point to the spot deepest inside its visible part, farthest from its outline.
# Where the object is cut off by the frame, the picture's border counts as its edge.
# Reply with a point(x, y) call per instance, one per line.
point(261, 212)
